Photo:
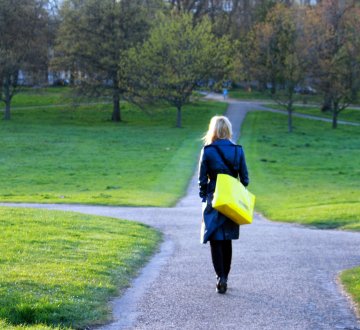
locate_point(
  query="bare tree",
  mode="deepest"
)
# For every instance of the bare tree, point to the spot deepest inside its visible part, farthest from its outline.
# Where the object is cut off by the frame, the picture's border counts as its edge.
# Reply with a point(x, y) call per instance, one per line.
point(276, 54)
point(92, 42)
point(335, 32)
point(23, 44)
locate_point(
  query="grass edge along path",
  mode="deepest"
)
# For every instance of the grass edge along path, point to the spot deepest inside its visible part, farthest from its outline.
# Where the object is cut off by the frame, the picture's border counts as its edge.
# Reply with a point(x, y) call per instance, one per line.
point(59, 269)
point(295, 165)
point(350, 279)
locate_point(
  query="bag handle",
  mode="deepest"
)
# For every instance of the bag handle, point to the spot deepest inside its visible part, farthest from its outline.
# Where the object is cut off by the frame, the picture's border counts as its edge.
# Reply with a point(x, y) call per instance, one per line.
point(230, 166)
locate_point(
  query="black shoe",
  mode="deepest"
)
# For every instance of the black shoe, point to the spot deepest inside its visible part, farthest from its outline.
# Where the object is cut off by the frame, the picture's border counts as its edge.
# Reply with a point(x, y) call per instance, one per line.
point(221, 285)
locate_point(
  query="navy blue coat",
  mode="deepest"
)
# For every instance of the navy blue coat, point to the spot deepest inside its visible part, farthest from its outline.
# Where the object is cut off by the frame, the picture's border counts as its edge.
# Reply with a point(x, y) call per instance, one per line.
point(216, 226)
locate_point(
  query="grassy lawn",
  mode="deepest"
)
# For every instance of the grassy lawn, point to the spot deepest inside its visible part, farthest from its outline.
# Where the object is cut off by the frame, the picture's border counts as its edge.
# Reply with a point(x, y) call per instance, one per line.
point(6, 326)
point(310, 176)
point(30, 97)
point(61, 268)
point(76, 155)
point(41, 96)
point(348, 114)
point(242, 94)
point(351, 280)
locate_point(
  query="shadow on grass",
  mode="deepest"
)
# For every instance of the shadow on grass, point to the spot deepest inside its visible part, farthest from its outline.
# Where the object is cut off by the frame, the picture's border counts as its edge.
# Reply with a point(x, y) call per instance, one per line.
point(329, 224)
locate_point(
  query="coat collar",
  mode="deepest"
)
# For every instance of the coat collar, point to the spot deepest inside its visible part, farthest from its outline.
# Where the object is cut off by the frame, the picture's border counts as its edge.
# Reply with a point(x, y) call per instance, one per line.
point(222, 142)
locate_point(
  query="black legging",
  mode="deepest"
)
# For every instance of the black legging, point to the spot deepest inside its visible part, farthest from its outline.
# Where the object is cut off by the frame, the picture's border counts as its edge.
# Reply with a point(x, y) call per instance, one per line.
point(221, 252)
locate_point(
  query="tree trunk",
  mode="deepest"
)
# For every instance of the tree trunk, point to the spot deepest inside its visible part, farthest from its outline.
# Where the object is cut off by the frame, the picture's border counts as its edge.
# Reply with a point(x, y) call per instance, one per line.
point(72, 77)
point(334, 116)
point(273, 87)
point(7, 115)
point(290, 126)
point(116, 115)
point(327, 104)
point(335, 113)
point(178, 119)
point(262, 85)
point(7, 111)
point(247, 16)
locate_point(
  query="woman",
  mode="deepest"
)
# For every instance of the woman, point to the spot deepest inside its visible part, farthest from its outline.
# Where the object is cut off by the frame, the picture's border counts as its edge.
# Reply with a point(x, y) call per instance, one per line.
point(219, 155)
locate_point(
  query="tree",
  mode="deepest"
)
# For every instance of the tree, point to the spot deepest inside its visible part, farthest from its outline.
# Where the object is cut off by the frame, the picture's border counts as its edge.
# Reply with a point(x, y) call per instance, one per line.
point(334, 27)
point(176, 57)
point(23, 44)
point(93, 39)
point(225, 16)
point(276, 54)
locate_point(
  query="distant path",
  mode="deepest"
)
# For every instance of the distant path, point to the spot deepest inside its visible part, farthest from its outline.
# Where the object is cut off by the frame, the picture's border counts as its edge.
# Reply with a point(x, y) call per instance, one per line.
point(283, 275)
point(260, 106)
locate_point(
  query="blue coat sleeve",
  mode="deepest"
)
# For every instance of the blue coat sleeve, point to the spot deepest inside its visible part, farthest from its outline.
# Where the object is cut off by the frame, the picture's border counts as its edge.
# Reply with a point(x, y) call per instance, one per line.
point(243, 172)
point(203, 178)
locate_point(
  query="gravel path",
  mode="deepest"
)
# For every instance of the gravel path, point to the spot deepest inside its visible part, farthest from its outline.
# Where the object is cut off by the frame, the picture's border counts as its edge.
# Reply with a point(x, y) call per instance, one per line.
point(283, 276)
point(261, 105)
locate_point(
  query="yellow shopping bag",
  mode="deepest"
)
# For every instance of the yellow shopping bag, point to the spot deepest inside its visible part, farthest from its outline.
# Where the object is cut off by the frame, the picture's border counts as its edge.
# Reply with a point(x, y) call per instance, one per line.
point(233, 200)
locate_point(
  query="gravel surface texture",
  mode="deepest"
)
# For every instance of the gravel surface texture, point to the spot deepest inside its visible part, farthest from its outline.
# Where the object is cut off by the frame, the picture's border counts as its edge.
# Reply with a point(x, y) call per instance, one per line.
point(283, 276)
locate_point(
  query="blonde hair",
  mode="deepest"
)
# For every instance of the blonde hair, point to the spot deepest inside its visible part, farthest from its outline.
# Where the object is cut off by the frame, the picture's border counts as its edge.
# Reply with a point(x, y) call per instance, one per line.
point(219, 128)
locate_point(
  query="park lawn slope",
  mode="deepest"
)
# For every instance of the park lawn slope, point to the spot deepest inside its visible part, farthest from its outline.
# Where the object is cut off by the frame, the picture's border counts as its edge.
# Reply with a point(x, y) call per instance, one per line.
point(77, 155)
point(310, 176)
point(60, 268)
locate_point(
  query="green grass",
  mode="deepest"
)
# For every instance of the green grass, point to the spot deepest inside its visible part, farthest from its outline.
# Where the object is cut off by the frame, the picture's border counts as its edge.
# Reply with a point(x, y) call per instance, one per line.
point(50, 96)
point(242, 94)
point(347, 115)
point(61, 268)
point(6, 326)
point(76, 155)
point(29, 97)
point(351, 280)
point(310, 176)
point(246, 95)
